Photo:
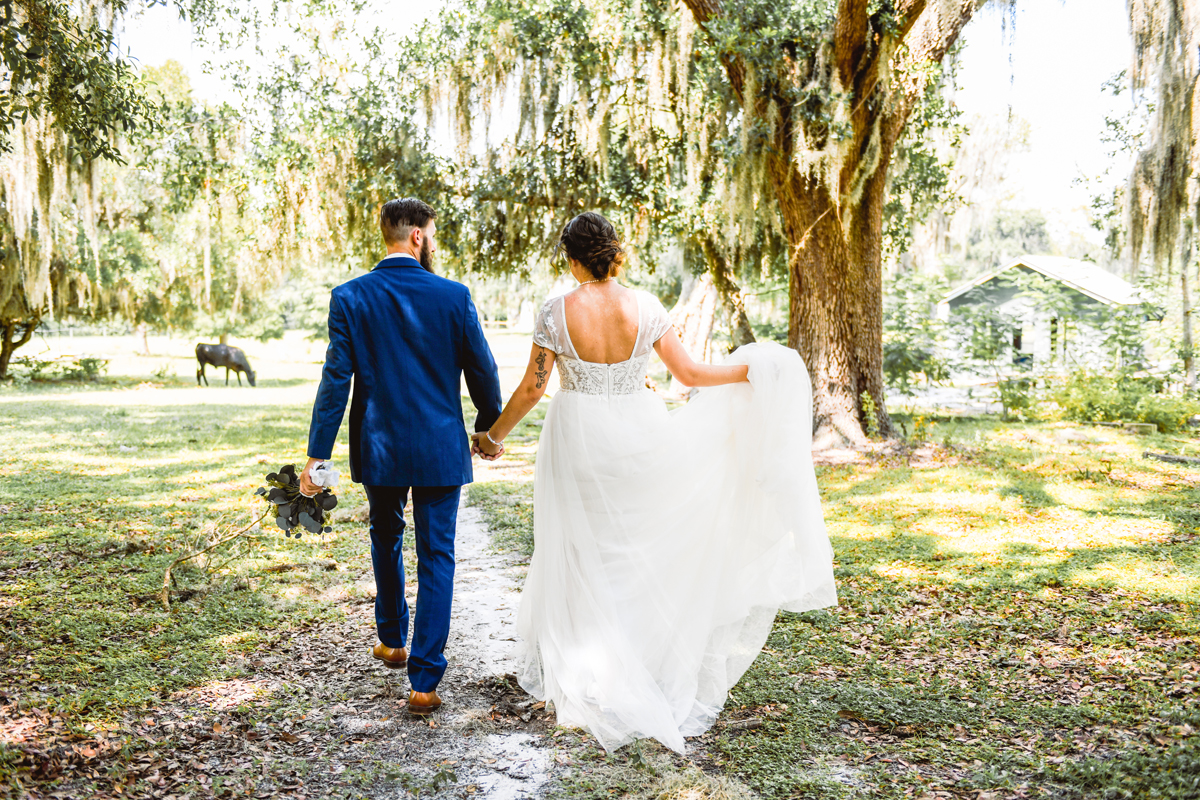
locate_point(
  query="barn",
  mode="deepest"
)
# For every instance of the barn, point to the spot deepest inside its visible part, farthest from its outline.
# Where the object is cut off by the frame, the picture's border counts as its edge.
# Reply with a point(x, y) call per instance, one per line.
point(1058, 323)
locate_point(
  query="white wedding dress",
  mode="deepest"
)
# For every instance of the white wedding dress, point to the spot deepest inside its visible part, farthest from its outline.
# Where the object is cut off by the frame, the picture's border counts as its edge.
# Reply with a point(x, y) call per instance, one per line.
point(665, 543)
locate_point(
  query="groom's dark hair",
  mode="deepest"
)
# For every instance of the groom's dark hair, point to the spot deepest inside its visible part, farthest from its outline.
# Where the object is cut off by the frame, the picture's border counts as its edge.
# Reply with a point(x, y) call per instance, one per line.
point(398, 217)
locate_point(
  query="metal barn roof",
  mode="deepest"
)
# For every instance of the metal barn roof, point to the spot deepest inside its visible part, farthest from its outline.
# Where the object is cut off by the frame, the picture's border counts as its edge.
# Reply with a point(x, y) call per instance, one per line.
point(1082, 276)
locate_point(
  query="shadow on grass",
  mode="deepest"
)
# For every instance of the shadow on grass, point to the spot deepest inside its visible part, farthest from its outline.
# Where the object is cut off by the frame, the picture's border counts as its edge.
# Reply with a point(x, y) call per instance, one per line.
point(96, 501)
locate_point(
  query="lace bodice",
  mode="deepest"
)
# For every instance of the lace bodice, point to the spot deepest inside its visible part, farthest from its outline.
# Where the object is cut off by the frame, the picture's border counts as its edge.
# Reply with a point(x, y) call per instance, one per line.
point(587, 377)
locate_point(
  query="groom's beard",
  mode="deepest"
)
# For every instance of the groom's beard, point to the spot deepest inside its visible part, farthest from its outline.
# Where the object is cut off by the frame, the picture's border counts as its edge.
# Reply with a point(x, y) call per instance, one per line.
point(426, 257)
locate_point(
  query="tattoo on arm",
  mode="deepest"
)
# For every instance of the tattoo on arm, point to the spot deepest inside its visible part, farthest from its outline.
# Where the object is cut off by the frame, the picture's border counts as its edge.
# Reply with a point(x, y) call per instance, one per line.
point(542, 373)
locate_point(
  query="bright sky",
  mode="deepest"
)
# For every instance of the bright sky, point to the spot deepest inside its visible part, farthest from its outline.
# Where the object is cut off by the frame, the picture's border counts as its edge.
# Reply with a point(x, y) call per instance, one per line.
point(1047, 69)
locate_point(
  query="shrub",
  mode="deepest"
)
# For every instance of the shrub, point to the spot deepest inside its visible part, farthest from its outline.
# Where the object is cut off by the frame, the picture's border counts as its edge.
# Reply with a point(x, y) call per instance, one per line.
point(1016, 395)
point(24, 369)
point(1088, 396)
point(1169, 412)
point(83, 368)
point(911, 335)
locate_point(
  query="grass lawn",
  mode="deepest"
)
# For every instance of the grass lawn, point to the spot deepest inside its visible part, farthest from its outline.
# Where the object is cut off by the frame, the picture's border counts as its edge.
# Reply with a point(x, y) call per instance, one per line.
point(1017, 619)
point(102, 486)
point(1018, 611)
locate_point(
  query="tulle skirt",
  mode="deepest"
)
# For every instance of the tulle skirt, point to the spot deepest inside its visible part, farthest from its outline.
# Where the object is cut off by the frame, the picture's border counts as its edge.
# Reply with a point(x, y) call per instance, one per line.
point(665, 544)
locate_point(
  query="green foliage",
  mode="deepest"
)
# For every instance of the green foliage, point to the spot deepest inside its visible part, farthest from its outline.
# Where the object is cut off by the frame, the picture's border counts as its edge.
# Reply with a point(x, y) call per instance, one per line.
point(1097, 397)
point(912, 336)
point(1011, 233)
point(919, 180)
point(1088, 396)
point(1169, 412)
point(1016, 395)
point(768, 330)
point(983, 335)
point(24, 369)
point(61, 61)
point(225, 204)
point(870, 414)
point(655, 134)
point(1123, 135)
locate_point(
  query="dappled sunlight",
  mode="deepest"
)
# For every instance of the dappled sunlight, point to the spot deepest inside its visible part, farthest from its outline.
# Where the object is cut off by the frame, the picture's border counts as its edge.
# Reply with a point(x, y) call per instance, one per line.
point(225, 695)
point(1054, 528)
point(150, 396)
point(1025, 516)
point(859, 530)
point(1137, 573)
point(1076, 495)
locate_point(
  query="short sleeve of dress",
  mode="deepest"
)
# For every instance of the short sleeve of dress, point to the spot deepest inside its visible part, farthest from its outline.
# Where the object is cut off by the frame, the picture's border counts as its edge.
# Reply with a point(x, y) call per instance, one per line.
point(545, 331)
point(658, 321)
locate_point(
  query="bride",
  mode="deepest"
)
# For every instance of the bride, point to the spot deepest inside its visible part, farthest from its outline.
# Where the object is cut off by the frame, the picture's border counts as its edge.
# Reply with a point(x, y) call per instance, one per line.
point(664, 543)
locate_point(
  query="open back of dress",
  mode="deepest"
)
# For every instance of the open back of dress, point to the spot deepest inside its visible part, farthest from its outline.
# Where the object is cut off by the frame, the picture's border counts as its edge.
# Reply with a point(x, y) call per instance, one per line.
point(665, 543)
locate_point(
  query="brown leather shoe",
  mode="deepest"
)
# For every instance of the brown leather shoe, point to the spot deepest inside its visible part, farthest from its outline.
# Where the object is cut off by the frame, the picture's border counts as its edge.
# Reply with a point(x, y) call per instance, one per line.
point(423, 702)
point(394, 657)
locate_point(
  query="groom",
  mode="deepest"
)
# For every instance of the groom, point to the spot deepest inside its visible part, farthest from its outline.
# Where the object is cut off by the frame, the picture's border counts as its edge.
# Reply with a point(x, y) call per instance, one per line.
point(405, 336)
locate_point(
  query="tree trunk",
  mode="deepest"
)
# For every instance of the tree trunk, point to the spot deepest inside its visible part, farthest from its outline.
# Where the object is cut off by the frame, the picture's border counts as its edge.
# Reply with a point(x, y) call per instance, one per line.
point(144, 331)
point(9, 341)
point(207, 244)
point(836, 305)
point(729, 292)
point(693, 317)
point(877, 54)
point(1185, 263)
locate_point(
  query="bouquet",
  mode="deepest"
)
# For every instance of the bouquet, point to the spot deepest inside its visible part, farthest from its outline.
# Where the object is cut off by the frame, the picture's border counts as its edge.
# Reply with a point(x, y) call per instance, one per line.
point(294, 510)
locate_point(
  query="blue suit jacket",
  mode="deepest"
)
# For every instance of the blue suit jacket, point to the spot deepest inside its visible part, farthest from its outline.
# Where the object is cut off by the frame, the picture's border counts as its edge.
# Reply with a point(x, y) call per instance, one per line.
point(405, 335)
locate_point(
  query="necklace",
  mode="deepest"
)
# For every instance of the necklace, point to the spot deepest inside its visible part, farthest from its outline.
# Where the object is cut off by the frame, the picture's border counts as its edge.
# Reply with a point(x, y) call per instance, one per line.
point(598, 280)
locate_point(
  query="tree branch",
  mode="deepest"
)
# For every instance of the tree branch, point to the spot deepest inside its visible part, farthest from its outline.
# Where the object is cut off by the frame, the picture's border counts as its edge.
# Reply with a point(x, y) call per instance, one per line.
point(907, 14)
point(704, 11)
point(928, 36)
point(850, 38)
point(909, 9)
point(164, 595)
point(936, 28)
point(30, 327)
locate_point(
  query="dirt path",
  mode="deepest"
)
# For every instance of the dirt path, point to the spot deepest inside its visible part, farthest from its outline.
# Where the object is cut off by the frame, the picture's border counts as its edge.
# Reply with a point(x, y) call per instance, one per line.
point(488, 741)
point(314, 716)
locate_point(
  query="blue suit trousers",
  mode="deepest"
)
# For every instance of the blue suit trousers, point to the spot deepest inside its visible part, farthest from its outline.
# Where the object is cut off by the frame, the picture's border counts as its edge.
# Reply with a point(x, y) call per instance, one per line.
point(435, 514)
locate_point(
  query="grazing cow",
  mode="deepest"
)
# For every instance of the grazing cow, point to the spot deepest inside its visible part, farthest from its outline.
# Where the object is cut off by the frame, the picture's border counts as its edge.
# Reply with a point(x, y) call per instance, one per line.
point(222, 355)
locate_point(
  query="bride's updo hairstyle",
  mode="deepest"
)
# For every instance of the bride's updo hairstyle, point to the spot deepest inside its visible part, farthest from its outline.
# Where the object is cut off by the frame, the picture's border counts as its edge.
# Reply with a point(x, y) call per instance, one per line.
point(592, 240)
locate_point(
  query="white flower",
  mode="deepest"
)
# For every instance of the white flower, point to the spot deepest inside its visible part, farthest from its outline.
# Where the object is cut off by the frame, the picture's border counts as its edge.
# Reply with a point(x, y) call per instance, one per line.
point(324, 475)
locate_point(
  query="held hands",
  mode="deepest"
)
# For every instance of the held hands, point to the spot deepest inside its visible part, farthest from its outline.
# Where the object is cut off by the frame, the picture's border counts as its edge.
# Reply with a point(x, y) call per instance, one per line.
point(482, 446)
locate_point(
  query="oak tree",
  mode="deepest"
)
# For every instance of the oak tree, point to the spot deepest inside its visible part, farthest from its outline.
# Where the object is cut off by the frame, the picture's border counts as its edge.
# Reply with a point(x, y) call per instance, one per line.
point(763, 131)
